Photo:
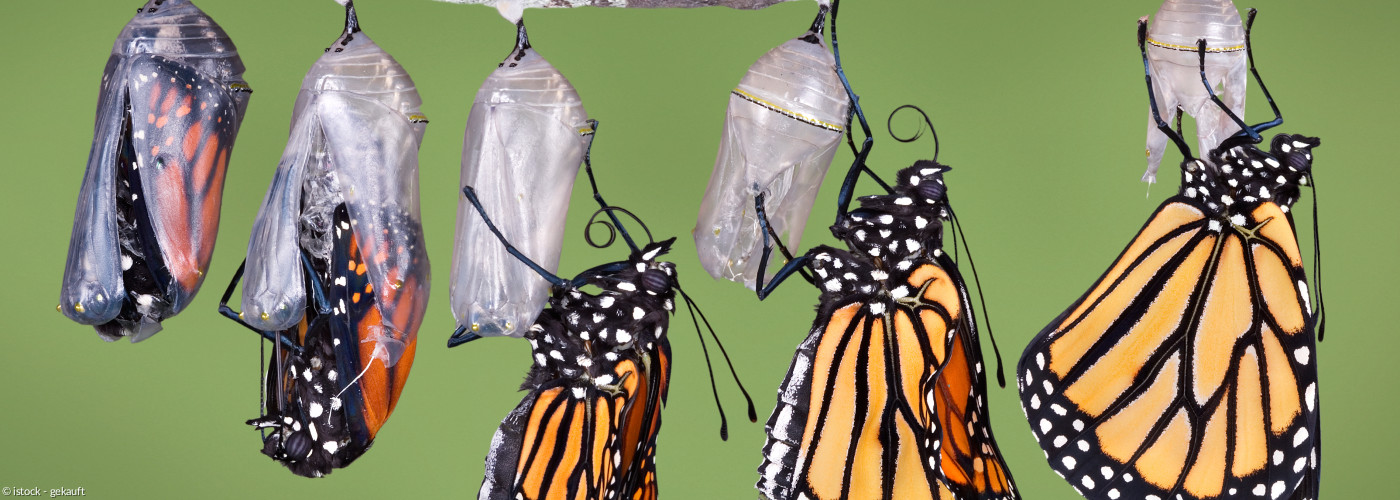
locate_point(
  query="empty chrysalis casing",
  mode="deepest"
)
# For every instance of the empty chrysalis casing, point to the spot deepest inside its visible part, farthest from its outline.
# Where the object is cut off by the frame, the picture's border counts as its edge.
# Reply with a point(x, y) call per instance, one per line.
point(527, 134)
point(1172, 44)
point(171, 101)
point(781, 131)
point(356, 129)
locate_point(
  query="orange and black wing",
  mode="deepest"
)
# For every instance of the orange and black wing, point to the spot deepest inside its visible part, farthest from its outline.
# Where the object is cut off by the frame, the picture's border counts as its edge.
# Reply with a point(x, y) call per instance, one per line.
point(637, 436)
point(558, 443)
point(971, 463)
point(582, 439)
point(855, 415)
point(1187, 371)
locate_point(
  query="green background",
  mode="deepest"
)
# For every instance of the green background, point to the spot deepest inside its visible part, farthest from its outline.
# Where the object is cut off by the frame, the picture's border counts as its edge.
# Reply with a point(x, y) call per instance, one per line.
point(1040, 107)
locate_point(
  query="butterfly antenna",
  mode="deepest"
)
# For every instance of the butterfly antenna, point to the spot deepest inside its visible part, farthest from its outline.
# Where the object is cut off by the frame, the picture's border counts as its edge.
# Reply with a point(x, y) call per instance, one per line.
point(690, 303)
point(986, 320)
point(1317, 262)
point(889, 126)
point(1152, 97)
point(723, 422)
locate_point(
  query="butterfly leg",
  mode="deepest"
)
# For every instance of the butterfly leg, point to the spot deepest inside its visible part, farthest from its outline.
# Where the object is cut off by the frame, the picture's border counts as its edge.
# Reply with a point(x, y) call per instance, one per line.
point(793, 264)
point(1152, 96)
point(237, 317)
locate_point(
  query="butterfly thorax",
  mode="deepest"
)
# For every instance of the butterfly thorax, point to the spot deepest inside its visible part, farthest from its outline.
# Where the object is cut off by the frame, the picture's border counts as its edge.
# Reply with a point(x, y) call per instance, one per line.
point(584, 335)
point(1242, 176)
point(906, 223)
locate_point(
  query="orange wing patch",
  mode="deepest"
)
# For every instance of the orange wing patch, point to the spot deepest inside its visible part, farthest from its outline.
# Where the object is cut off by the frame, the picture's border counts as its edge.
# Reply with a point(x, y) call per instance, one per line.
point(1170, 377)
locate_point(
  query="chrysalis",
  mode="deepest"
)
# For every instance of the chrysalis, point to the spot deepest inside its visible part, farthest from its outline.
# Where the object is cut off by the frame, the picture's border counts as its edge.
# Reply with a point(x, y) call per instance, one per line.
point(527, 134)
point(337, 270)
point(171, 101)
point(781, 131)
point(1171, 52)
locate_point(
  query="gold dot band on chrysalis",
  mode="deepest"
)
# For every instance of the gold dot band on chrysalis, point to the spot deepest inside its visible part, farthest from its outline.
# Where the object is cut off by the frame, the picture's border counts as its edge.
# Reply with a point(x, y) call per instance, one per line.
point(786, 112)
point(1188, 48)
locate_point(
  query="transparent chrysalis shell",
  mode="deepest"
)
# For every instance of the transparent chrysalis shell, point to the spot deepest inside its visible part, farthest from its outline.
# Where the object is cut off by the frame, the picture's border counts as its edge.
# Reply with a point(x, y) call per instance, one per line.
point(781, 131)
point(526, 137)
point(171, 102)
point(1176, 76)
point(356, 129)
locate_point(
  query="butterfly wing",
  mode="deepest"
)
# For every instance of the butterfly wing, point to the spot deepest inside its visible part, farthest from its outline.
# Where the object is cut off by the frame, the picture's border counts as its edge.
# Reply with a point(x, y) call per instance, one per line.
point(1187, 369)
point(854, 414)
point(560, 442)
point(637, 441)
point(971, 462)
point(184, 123)
point(374, 152)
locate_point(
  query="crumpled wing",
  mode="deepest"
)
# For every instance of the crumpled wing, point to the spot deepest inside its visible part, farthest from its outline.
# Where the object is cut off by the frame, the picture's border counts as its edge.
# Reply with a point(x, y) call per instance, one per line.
point(374, 153)
point(182, 136)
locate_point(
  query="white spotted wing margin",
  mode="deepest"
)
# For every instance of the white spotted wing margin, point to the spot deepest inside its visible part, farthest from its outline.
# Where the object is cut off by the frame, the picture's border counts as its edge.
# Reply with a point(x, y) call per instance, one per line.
point(1187, 370)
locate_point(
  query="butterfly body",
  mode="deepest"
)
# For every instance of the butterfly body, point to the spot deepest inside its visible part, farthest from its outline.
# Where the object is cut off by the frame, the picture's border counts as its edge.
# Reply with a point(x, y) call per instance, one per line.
point(337, 268)
point(1188, 369)
point(600, 376)
point(883, 399)
point(171, 102)
point(327, 399)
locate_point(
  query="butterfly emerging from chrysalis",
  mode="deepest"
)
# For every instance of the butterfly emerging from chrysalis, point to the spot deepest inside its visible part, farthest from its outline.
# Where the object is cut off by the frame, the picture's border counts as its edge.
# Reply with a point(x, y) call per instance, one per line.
point(337, 269)
point(171, 102)
point(886, 397)
point(600, 375)
point(1188, 370)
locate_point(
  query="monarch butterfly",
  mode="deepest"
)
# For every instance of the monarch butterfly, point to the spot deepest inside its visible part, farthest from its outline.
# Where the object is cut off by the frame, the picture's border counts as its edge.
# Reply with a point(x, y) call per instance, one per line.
point(171, 101)
point(1171, 52)
point(601, 373)
point(1187, 371)
point(781, 131)
point(526, 136)
point(340, 223)
point(886, 396)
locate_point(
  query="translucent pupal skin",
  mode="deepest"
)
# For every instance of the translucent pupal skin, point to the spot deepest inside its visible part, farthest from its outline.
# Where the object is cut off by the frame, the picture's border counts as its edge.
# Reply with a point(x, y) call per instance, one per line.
point(526, 137)
point(1176, 75)
point(171, 101)
point(781, 130)
point(356, 129)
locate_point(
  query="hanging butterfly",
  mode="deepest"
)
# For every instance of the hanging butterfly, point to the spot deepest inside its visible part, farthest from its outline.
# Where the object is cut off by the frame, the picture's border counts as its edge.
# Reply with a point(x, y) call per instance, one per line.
point(781, 131)
point(886, 396)
point(340, 224)
point(1188, 370)
point(526, 137)
point(602, 364)
point(171, 101)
